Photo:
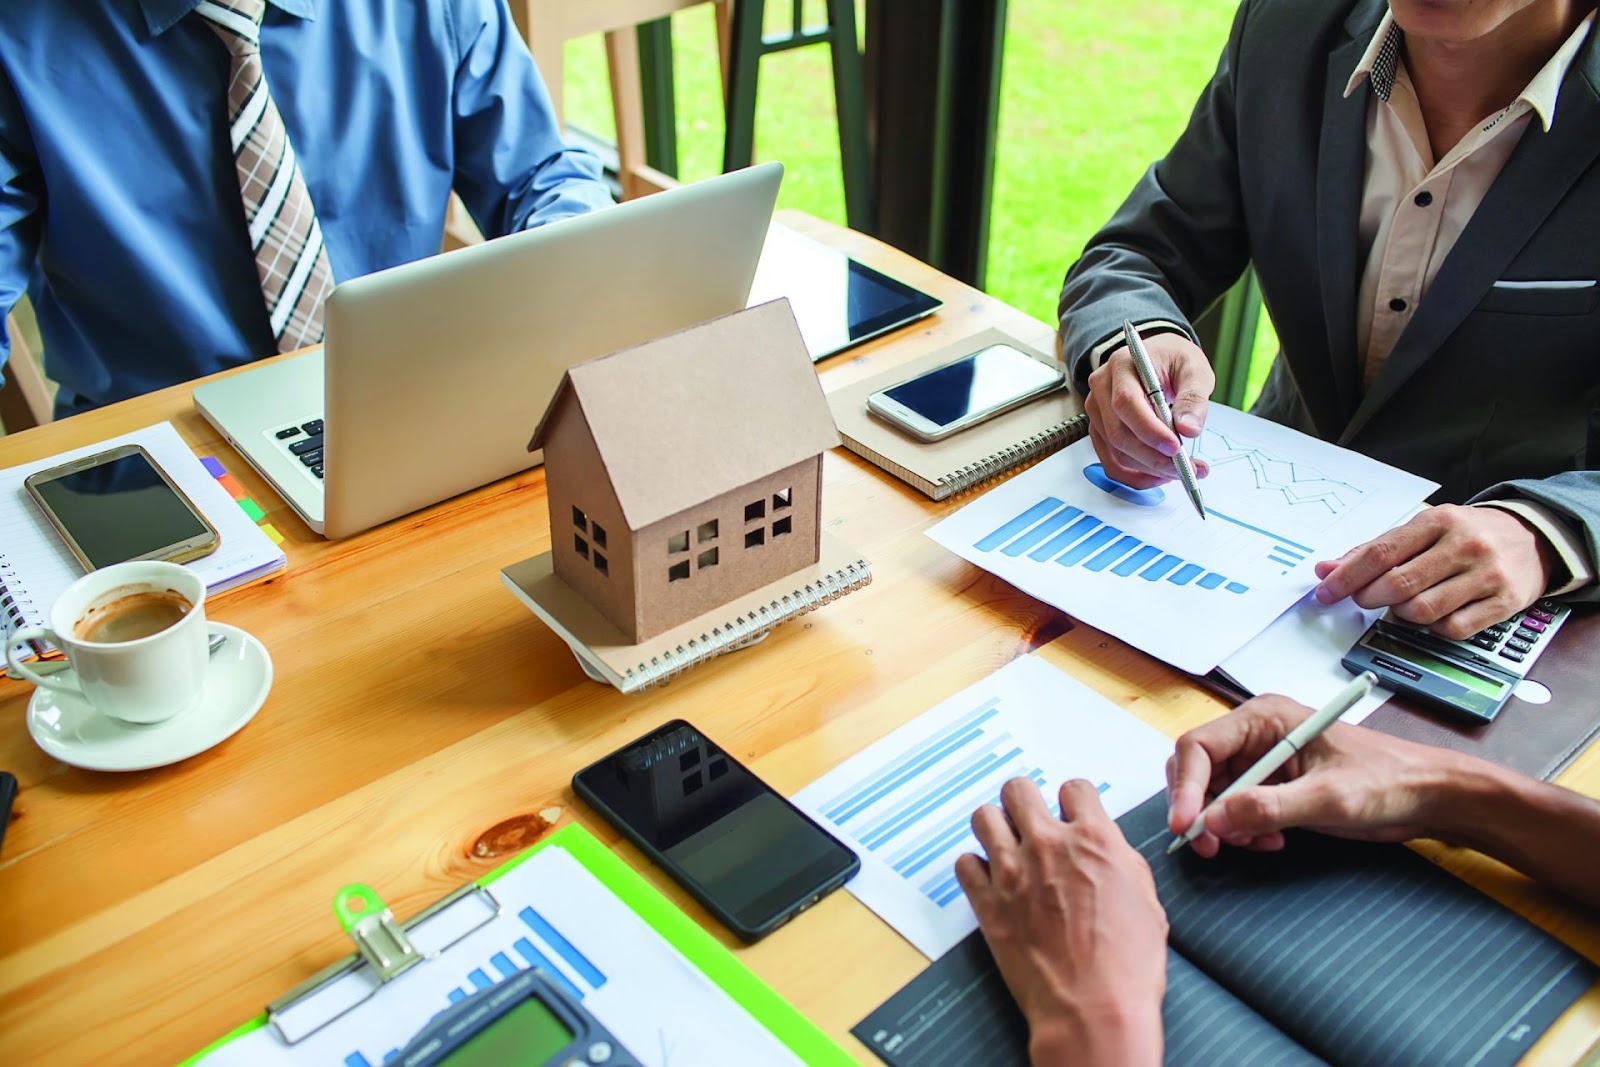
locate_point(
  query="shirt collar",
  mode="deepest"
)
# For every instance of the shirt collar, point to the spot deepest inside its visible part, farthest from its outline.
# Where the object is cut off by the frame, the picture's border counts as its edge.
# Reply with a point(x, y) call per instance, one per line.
point(162, 15)
point(1382, 59)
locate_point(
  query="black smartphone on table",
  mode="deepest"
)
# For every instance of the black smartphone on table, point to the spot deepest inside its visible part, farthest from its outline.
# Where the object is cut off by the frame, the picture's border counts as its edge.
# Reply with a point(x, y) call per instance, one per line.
point(739, 847)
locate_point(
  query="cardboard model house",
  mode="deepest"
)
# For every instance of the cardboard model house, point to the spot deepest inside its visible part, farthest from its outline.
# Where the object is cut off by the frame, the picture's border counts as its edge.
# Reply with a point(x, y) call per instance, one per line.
point(687, 471)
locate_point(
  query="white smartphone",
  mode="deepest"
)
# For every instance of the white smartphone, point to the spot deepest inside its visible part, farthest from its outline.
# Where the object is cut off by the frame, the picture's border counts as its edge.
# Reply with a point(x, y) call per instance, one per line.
point(118, 505)
point(965, 392)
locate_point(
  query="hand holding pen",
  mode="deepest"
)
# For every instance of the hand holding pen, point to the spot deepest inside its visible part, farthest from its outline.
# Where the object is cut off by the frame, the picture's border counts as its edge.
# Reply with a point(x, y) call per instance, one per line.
point(1136, 445)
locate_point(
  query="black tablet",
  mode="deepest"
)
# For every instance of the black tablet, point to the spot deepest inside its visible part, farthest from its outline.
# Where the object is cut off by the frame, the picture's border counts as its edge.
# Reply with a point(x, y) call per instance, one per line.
point(837, 301)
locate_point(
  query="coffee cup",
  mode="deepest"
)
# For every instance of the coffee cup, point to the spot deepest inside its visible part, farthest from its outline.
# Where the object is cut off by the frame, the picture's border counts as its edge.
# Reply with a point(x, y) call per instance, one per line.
point(135, 636)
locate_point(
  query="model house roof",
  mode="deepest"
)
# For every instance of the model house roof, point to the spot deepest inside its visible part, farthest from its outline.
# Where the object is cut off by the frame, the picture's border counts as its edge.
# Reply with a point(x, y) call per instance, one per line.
point(688, 417)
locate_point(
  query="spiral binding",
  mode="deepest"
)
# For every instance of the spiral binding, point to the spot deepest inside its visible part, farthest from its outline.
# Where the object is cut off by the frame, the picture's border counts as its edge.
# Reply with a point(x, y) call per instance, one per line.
point(750, 627)
point(14, 604)
point(1024, 451)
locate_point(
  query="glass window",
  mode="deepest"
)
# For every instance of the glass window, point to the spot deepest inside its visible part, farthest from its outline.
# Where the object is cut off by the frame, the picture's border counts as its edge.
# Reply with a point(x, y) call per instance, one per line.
point(707, 532)
point(708, 558)
point(678, 542)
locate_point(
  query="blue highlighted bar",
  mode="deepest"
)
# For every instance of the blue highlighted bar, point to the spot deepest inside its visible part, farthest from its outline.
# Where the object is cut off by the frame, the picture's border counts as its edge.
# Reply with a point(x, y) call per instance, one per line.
point(1211, 581)
point(1101, 537)
point(887, 832)
point(1017, 525)
point(1135, 561)
point(457, 995)
point(392, 1054)
point(848, 806)
point(1159, 568)
point(1123, 546)
point(503, 964)
point(1280, 550)
point(552, 937)
point(1102, 787)
point(356, 1059)
point(537, 959)
point(1235, 587)
point(1186, 574)
point(1041, 531)
point(1279, 538)
point(478, 979)
point(1285, 562)
point(1064, 538)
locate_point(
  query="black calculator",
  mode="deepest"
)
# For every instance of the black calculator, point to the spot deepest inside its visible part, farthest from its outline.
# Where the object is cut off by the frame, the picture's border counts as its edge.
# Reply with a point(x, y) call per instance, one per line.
point(1471, 679)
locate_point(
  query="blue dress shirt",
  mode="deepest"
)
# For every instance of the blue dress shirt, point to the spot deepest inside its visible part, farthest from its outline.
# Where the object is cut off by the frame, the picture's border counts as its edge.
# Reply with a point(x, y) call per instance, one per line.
point(120, 213)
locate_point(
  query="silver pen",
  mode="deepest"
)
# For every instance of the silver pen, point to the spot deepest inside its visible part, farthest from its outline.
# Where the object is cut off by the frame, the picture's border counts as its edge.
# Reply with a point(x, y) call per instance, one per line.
point(1158, 400)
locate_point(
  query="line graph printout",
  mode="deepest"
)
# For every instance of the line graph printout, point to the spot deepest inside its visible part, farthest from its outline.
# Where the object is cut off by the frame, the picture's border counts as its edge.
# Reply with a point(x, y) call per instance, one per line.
point(905, 804)
point(556, 915)
point(1142, 565)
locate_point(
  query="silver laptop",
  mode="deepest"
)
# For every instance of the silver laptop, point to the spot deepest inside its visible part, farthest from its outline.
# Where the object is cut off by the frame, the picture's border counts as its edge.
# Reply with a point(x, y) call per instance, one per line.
point(433, 374)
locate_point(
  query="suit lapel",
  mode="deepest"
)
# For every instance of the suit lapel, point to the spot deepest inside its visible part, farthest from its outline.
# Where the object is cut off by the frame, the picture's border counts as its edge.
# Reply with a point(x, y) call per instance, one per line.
point(1541, 169)
point(1341, 156)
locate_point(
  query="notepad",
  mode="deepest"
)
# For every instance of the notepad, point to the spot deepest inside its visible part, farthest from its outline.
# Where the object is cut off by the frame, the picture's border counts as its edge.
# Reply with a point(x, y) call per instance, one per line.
point(967, 459)
point(1329, 951)
point(36, 566)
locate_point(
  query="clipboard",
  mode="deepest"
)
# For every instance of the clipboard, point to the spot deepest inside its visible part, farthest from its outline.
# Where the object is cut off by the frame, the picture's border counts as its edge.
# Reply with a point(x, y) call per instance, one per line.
point(386, 944)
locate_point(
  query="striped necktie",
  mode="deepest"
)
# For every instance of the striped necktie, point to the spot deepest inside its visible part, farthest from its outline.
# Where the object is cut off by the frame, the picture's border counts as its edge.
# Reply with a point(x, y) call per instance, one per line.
point(290, 258)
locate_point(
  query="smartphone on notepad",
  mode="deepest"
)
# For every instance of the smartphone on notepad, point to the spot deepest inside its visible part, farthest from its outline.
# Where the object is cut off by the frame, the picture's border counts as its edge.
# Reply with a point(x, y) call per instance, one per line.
point(119, 505)
point(732, 841)
point(950, 398)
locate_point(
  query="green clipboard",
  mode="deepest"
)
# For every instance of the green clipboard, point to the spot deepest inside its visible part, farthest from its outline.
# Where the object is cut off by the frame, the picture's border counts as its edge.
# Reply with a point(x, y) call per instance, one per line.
point(785, 1022)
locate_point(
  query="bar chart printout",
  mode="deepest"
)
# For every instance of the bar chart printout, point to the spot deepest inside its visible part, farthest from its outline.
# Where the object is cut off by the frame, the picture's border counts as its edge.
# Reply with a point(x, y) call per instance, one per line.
point(905, 804)
point(555, 915)
point(1143, 566)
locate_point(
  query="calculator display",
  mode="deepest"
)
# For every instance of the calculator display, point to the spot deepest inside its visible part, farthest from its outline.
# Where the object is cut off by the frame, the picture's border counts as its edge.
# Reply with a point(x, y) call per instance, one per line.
point(529, 1033)
point(1414, 656)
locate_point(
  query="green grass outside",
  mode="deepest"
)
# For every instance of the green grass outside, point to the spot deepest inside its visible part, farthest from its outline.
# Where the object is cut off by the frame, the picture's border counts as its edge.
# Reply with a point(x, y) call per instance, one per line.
point(1092, 92)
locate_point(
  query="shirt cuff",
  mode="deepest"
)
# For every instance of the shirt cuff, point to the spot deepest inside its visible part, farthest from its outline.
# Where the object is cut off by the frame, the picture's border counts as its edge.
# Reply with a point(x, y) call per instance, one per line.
point(1570, 548)
point(1098, 354)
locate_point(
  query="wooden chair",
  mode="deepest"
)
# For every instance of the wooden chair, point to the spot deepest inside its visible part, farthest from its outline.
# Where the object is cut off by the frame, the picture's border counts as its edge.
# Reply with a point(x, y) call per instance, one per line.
point(25, 400)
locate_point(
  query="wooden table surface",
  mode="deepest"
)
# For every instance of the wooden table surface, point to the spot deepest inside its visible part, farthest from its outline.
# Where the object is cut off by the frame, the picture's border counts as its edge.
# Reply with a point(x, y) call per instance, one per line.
point(421, 719)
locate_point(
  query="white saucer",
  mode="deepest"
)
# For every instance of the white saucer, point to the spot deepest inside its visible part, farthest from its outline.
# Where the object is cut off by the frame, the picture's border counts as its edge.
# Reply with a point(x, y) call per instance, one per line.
point(237, 680)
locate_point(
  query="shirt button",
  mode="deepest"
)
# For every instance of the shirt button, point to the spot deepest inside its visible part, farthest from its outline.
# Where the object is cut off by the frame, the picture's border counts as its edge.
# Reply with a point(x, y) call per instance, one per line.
point(1397, 304)
point(1423, 199)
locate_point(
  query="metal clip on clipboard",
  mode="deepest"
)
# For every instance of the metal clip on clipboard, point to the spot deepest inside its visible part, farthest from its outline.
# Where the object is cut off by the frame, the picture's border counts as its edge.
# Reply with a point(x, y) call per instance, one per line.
point(385, 949)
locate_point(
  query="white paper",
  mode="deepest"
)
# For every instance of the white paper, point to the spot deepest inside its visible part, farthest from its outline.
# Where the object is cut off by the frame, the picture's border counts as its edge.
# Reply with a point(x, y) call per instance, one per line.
point(1298, 656)
point(1144, 567)
point(658, 1004)
point(904, 804)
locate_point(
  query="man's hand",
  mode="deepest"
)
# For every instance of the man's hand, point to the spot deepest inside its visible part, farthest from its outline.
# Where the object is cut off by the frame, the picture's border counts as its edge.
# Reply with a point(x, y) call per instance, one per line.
point(1349, 782)
point(1070, 912)
point(1132, 442)
point(1453, 569)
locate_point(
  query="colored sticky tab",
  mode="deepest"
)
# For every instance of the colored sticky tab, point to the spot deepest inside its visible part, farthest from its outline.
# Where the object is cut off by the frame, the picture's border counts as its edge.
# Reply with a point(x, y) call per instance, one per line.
point(231, 484)
point(252, 509)
point(272, 532)
point(216, 469)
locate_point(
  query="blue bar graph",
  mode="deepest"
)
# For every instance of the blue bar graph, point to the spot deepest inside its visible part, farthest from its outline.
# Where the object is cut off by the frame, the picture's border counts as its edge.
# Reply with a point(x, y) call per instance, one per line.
point(1052, 531)
point(912, 763)
point(553, 937)
point(457, 995)
point(479, 980)
point(356, 1059)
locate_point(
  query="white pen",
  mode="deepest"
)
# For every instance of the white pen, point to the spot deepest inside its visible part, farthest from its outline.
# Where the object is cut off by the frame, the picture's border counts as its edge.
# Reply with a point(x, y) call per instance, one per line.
point(1158, 400)
point(1298, 738)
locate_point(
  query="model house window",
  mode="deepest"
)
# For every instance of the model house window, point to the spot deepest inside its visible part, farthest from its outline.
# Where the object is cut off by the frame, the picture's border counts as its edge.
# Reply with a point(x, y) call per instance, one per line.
point(678, 542)
point(579, 519)
point(783, 526)
point(755, 538)
point(600, 565)
point(599, 533)
point(678, 571)
point(707, 532)
point(755, 511)
point(708, 558)
point(782, 499)
point(580, 546)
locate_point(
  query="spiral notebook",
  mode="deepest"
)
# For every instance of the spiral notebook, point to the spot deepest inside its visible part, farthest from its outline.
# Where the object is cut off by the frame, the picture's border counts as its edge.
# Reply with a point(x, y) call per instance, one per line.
point(36, 567)
point(943, 468)
point(607, 656)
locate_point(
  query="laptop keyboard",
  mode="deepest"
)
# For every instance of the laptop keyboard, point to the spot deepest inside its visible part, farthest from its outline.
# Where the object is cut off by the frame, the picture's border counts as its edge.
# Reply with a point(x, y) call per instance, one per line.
point(303, 441)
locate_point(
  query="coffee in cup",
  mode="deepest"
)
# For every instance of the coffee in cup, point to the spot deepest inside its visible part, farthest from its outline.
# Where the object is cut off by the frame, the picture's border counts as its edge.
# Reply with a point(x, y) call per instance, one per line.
point(131, 616)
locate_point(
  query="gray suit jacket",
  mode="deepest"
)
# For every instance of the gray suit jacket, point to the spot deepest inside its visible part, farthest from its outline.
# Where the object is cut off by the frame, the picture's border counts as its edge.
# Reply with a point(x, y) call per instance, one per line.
point(1489, 391)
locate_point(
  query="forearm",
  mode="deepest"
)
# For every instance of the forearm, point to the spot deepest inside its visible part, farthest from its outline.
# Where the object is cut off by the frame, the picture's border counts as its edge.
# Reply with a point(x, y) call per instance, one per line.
point(1104, 1040)
point(1549, 833)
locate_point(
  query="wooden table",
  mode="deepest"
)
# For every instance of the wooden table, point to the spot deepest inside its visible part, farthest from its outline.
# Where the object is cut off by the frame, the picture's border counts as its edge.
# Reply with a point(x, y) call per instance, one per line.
point(421, 719)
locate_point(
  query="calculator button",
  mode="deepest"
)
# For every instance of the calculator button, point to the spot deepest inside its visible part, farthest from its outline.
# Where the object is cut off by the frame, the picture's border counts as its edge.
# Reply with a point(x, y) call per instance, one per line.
point(313, 427)
point(1542, 616)
point(312, 458)
point(1513, 655)
point(1533, 624)
point(600, 1052)
point(1548, 606)
point(317, 470)
point(1526, 635)
point(1485, 641)
point(1520, 645)
point(301, 447)
point(284, 435)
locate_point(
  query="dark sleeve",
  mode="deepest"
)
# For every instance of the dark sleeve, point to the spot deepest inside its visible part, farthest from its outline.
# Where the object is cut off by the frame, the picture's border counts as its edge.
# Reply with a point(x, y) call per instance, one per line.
point(513, 170)
point(1178, 241)
point(20, 218)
